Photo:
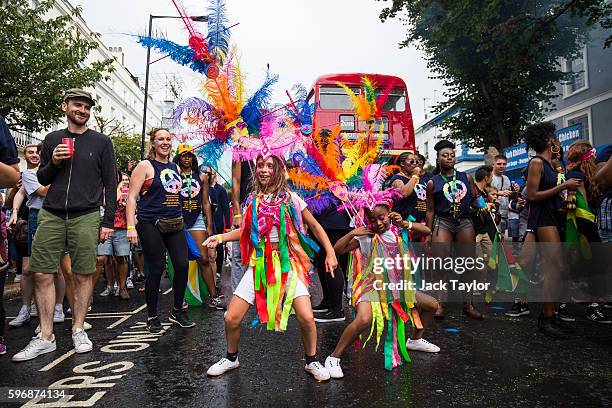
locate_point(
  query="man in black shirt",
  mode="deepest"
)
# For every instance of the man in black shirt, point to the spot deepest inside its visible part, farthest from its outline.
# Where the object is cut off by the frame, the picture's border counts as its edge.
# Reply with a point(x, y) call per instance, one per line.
point(79, 166)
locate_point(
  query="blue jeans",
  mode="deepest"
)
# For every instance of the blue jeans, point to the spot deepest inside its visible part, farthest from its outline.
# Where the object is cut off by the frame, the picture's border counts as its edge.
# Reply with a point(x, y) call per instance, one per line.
point(238, 268)
point(32, 225)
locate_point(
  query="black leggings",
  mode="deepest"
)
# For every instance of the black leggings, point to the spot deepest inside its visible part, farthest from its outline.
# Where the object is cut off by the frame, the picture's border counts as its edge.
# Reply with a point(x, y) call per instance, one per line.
point(219, 260)
point(154, 245)
point(2, 312)
point(332, 286)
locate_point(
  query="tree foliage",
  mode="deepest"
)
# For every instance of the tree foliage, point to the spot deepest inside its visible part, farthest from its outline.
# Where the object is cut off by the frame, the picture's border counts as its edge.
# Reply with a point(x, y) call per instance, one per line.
point(127, 147)
point(499, 59)
point(40, 59)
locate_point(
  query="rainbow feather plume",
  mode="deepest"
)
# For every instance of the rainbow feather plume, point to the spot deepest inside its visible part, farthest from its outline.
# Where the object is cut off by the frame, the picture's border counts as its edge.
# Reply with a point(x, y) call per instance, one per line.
point(218, 34)
point(252, 111)
point(209, 153)
point(181, 54)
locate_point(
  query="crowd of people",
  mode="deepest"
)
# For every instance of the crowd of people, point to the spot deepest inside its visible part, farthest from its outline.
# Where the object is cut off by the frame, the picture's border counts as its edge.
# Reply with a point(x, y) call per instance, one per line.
point(85, 218)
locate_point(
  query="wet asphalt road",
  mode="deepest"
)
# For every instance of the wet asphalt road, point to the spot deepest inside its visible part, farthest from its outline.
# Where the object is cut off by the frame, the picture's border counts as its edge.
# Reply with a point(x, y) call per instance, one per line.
point(497, 362)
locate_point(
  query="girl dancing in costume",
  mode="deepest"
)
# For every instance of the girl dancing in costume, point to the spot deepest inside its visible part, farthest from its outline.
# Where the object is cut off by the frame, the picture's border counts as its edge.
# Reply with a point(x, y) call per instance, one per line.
point(375, 303)
point(274, 245)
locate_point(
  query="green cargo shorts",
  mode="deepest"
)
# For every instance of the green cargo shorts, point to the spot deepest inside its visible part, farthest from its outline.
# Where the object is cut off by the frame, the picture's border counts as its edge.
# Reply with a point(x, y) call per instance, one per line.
point(80, 235)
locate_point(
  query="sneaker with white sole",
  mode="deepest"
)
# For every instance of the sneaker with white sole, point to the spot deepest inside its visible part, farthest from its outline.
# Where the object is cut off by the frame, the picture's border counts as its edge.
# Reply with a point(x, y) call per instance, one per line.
point(22, 318)
point(35, 348)
point(422, 345)
point(33, 310)
point(595, 314)
point(81, 342)
point(107, 291)
point(86, 326)
point(317, 370)
point(58, 315)
point(129, 284)
point(222, 366)
point(333, 366)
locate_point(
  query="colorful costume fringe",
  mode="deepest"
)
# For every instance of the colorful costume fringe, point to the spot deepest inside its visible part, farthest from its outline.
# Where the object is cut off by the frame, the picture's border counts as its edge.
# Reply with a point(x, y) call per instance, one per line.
point(389, 308)
point(275, 273)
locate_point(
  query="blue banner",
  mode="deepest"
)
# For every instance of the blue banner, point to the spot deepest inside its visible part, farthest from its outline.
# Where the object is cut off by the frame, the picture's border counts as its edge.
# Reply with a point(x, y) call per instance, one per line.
point(569, 135)
point(517, 154)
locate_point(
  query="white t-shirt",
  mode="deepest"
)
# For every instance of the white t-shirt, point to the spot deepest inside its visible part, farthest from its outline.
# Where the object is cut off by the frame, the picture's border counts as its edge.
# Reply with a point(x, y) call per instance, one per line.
point(365, 242)
point(298, 201)
point(502, 183)
point(30, 184)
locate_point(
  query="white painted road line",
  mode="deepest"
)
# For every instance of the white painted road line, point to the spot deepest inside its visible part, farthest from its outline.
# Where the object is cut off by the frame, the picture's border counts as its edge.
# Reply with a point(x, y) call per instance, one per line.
point(57, 361)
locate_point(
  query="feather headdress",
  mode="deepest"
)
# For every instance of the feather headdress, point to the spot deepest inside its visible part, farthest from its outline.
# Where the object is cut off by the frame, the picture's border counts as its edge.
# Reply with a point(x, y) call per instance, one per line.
point(367, 106)
point(202, 54)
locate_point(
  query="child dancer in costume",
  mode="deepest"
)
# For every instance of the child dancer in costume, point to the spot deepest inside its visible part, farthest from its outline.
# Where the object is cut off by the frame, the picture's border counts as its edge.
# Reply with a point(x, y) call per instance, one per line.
point(277, 250)
point(380, 240)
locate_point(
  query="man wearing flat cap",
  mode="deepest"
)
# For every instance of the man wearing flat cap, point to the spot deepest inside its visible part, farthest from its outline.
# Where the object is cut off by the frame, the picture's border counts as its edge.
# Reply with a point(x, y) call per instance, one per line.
point(78, 165)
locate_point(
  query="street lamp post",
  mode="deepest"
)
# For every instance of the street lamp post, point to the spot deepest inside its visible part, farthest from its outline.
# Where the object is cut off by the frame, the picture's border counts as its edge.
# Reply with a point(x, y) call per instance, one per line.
point(146, 90)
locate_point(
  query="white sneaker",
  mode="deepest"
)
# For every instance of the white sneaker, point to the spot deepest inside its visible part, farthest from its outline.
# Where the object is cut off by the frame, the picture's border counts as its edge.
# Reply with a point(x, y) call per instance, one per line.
point(116, 290)
point(421, 345)
point(17, 278)
point(129, 284)
point(33, 310)
point(333, 367)
point(37, 330)
point(81, 342)
point(319, 372)
point(222, 366)
point(58, 315)
point(22, 318)
point(86, 326)
point(107, 291)
point(35, 348)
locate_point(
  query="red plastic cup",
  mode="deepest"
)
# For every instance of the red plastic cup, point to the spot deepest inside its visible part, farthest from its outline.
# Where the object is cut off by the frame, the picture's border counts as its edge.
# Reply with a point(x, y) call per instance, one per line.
point(69, 141)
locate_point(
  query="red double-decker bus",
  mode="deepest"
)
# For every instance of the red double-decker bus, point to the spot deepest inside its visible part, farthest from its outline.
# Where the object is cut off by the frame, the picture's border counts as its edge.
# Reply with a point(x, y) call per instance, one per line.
point(333, 107)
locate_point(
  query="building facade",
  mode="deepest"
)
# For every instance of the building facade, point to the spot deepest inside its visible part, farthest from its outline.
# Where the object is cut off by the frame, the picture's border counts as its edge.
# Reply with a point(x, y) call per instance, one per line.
point(587, 99)
point(431, 132)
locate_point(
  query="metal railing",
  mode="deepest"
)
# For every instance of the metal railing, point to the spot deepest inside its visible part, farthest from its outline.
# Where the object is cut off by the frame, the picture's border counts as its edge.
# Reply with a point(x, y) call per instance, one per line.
point(22, 139)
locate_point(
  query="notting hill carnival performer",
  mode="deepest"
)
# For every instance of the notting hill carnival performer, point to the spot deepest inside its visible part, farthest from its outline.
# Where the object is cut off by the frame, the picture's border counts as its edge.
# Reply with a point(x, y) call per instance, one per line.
point(384, 236)
point(450, 195)
point(278, 252)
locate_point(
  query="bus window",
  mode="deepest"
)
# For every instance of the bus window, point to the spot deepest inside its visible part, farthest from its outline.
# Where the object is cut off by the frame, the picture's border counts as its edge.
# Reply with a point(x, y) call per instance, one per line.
point(396, 102)
point(335, 98)
point(347, 122)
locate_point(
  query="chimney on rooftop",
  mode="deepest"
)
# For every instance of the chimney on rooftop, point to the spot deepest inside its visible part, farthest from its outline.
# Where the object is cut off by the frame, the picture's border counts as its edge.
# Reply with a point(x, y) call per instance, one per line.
point(117, 52)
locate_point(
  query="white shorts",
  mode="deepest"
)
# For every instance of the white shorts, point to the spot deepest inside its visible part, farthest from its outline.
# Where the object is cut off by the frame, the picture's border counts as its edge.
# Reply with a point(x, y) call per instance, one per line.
point(246, 288)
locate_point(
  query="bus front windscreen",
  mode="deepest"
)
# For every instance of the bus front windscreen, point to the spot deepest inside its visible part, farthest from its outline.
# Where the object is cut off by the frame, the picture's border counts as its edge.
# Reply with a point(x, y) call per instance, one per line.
point(335, 98)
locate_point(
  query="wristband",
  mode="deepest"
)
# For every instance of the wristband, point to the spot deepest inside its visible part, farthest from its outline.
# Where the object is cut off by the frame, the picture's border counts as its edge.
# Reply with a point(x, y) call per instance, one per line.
point(131, 227)
point(409, 225)
point(220, 238)
point(415, 176)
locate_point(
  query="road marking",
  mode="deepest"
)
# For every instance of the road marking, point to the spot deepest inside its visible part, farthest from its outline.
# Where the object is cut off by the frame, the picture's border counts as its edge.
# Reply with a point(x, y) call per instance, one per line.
point(118, 322)
point(57, 361)
point(123, 319)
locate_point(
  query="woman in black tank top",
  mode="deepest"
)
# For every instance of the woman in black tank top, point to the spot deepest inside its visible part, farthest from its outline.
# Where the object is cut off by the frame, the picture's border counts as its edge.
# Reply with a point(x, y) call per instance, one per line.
point(157, 183)
point(543, 190)
point(450, 194)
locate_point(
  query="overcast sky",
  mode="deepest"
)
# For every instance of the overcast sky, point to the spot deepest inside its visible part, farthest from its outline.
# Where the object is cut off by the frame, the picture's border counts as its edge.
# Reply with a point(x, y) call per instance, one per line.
point(299, 39)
